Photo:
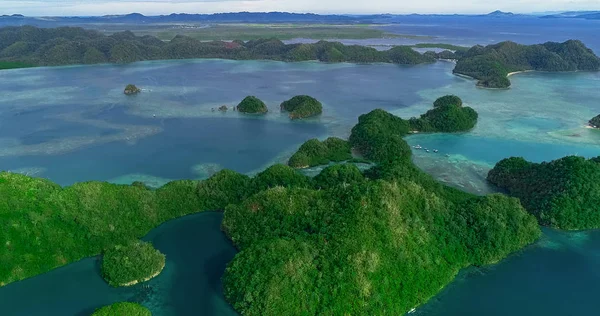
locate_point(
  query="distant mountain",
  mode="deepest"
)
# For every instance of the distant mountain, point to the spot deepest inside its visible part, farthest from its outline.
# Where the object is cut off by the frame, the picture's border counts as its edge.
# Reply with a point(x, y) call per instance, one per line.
point(239, 17)
point(499, 13)
point(589, 15)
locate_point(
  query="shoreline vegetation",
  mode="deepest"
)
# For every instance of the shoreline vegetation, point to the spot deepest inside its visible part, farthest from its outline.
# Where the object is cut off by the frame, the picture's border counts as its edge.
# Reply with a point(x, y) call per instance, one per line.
point(123, 309)
point(392, 221)
point(562, 193)
point(490, 65)
point(132, 263)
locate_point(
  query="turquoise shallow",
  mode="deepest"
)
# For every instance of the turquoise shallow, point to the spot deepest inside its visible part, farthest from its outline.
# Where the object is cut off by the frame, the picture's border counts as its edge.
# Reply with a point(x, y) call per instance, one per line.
point(73, 124)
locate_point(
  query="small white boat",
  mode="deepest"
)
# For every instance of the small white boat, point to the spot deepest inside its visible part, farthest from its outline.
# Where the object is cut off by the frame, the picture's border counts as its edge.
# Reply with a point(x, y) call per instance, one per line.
point(412, 310)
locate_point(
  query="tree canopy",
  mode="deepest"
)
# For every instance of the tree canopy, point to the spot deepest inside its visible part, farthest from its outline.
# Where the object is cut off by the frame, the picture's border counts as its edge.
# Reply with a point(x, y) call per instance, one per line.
point(131, 263)
point(123, 308)
point(491, 64)
point(448, 115)
point(314, 152)
point(563, 193)
point(302, 106)
point(252, 105)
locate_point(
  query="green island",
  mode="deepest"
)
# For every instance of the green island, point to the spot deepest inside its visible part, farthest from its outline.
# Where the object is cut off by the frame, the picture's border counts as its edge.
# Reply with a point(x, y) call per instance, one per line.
point(344, 242)
point(314, 152)
point(595, 122)
point(448, 115)
point(302, 106)
point(123, 309)
point(252, 105)
point(563, 193)
point(132, 263)
point(492, 64)
point(131, 89)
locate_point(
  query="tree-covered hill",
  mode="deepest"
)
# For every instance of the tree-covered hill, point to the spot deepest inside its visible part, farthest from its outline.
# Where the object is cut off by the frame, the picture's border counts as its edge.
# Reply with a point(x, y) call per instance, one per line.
point(72, 45)
point(345, 242)
point(563, 193)
point(491, 64)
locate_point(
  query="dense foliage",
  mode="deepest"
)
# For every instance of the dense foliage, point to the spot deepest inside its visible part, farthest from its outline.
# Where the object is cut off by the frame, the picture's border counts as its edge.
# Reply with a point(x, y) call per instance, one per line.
point(44, 226)
point(13, 65)
point(563, 193)
point(314, 152)
point(378, 136)
point(342, 243)
point(134, 262)
point(253, 105)
point(70, 45)
point(122, 309)
point(595, 122)
point(302, 106)
point(491, 64)
point(448, 115)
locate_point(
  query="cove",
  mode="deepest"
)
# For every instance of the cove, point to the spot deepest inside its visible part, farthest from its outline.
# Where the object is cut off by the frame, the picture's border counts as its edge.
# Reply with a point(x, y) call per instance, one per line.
point(197, 253)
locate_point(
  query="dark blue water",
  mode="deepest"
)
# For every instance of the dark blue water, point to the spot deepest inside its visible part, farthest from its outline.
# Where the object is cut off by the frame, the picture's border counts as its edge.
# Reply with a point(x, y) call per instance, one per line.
point(190, 284)
point(73, 124)
point(557, 276)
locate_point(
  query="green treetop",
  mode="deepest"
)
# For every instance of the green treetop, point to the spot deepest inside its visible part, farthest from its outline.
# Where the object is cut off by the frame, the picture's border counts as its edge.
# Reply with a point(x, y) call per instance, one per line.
point(252, 105)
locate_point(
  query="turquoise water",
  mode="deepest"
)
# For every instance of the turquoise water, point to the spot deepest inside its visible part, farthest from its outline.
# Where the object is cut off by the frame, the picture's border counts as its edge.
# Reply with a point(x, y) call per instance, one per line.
point(557, 276)
point(196, 251)
point(74, 124)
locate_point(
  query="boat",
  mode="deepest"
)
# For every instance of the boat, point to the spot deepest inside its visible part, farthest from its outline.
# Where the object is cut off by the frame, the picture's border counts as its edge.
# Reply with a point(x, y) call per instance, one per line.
point(435, 150)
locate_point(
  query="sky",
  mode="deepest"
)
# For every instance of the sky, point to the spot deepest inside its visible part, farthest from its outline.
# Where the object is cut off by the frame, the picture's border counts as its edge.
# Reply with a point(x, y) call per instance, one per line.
point(156, 7)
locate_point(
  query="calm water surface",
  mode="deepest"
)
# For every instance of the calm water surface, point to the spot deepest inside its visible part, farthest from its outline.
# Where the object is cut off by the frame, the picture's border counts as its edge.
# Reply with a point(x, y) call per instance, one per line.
point(190, 284)
point(74, 124)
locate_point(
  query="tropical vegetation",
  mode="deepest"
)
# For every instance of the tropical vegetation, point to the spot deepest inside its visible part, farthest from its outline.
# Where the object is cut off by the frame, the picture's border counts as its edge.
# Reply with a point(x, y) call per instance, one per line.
point(492, 64)
point(346, 242)
point(302, 106)
point(132, 263)
point(563, 193)
point(448, 115)
point(315, 152)
point(122, 309)
point(252, 105)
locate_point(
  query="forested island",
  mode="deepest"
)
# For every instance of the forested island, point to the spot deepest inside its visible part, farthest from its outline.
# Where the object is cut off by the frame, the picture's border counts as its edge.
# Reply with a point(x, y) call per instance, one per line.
point(492, 64)
point(302, 106)
point(323, 245)
point(32, 46)
point(132, 263)
point(124, 308)
point(595, 122)
point(448, 115)
point(563, 193)
point(251, 105)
